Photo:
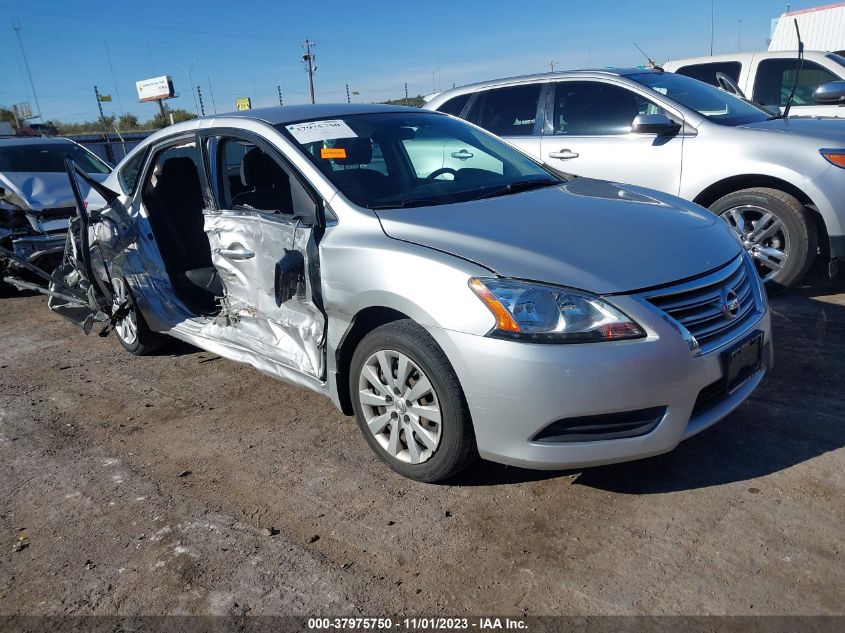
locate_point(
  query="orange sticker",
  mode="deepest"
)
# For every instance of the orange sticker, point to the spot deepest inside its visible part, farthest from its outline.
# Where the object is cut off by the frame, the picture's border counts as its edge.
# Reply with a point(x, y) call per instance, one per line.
point(332, 152)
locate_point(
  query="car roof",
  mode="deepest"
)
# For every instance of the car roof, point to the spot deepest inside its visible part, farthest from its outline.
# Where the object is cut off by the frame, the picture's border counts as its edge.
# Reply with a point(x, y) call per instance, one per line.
point(12, 141)
point(558, 74)
point(294, 113)
point(743, 57)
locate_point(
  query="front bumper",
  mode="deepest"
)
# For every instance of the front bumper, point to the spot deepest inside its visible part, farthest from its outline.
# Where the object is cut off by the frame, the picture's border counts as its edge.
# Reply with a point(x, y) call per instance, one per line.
point(515, 390)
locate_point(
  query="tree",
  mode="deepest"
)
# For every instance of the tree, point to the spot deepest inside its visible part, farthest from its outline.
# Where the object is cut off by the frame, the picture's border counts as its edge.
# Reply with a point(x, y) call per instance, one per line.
point(127, 122)
point(106, 122)
point(159, 121)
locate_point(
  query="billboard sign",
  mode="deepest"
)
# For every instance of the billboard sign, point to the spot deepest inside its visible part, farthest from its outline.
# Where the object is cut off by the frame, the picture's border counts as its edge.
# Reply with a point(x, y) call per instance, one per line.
point(23, 110)
point(155, 89)
point(243, 103)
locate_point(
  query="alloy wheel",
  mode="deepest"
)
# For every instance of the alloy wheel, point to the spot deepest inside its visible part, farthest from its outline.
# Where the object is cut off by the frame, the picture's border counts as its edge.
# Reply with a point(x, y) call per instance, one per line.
point(763, 235)
point(127, 327)
point(400, 406)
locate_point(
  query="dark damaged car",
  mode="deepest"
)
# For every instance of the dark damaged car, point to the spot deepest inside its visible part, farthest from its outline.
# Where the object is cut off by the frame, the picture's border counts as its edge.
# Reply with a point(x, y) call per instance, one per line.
point(36, 202)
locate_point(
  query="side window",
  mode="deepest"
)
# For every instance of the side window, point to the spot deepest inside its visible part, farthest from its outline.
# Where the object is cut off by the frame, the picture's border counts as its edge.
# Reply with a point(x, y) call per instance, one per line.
point(510, 111)
point(252, 179)
point(455, 105)
point(591, 108)
point(776, 76)
point(173, 178)
point(128, 174)
point(707, 72)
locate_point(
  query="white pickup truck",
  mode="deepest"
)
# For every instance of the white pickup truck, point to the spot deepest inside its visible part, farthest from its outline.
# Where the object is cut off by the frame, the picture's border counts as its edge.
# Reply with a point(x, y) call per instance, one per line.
point(767, 77)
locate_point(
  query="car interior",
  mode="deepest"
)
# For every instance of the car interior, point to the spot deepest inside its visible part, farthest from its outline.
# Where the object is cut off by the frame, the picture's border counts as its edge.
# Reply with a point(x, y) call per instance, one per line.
point(172, 195)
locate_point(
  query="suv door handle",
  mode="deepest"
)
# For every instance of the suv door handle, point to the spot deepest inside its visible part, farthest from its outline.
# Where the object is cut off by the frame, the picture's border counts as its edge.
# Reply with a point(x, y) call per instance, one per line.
point(236, 253)
point(564, 154)
point(462, 154)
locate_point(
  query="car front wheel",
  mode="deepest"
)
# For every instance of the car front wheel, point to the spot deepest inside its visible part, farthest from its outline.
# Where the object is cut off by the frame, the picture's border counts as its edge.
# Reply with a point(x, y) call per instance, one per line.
point(774, 229)
point(132, 331)
point(409, 403)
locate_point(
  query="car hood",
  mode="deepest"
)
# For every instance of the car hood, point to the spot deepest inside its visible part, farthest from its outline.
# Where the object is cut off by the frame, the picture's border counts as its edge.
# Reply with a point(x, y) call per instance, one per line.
point(822, 128)
point(37, 191)
point(588, 234)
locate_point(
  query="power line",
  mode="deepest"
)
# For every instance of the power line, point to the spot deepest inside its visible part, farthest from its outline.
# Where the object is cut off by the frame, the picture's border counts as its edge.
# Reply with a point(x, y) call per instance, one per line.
point(113, 78)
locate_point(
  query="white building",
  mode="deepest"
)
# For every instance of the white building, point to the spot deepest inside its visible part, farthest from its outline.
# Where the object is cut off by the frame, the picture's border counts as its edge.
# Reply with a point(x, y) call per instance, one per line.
point(822, 29)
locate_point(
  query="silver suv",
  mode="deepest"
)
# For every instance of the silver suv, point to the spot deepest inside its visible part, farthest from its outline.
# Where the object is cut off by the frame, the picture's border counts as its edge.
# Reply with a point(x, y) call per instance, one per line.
point(499, 308)
point(779, 183)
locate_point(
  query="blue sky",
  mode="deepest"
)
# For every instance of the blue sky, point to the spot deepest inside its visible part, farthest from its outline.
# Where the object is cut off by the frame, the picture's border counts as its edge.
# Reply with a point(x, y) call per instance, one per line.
point(247, 48)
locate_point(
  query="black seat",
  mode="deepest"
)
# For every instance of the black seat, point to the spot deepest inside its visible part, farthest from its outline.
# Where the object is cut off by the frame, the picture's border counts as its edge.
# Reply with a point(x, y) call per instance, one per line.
point(268, 186)
point(363, 182)
point(179, 203)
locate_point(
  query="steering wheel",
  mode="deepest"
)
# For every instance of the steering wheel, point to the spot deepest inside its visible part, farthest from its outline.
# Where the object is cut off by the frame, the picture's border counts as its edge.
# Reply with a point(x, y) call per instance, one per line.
point(440, 172)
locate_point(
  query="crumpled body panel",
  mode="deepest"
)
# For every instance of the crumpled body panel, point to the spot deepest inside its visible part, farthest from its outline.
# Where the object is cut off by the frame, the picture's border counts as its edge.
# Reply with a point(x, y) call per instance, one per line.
point(291, 334)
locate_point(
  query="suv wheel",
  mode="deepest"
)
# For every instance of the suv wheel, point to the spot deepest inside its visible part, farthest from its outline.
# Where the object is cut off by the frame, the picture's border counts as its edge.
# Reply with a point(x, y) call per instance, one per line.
point(775, 231)
point(409, 403)
point(132, 331)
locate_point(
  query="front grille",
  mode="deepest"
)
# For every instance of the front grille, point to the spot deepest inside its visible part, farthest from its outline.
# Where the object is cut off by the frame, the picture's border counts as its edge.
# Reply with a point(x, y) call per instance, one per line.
point(700, 306)
point(59, 213)
point(606, 426)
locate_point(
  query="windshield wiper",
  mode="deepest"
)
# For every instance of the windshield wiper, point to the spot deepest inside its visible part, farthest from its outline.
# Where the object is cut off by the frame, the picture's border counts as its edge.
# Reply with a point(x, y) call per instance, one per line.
point(408, 203)
point(516, 187)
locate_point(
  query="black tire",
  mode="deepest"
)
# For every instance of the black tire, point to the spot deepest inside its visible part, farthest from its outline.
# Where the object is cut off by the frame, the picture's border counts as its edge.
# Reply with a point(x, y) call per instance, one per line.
point(799, 229)
point(145, 341)
point(456, 449)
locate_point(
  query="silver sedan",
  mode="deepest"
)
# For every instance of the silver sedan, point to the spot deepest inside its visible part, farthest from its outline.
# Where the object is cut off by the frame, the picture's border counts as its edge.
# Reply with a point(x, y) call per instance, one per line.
point(498, 308)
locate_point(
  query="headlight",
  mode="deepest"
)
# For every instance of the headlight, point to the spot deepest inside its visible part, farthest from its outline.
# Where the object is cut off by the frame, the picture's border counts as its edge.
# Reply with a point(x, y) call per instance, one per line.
point(834, 156)
point(539, 313)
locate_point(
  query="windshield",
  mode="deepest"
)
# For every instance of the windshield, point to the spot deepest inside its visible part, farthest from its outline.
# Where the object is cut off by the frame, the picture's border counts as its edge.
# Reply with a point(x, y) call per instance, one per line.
point(709, 101)
point(48, 157)
point(404, 159)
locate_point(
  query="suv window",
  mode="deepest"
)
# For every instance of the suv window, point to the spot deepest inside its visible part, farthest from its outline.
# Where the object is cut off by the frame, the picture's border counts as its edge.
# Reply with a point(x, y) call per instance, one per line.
point(510, 111)
point(707, 72)
point(253, 179)
point(128, 174)
point(592, 108)
point(776, 76)
point(455, 105)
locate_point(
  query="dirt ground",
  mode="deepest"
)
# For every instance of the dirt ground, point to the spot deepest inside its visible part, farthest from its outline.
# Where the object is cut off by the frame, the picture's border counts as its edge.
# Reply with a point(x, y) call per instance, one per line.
point(145, 485)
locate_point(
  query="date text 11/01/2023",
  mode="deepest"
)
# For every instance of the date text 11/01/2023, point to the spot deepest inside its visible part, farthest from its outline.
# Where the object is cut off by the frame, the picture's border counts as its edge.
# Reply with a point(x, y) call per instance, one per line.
point(412, 624)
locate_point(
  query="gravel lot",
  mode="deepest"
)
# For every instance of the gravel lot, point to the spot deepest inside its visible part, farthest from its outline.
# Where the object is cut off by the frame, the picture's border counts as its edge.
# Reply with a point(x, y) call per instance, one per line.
point(147, 486)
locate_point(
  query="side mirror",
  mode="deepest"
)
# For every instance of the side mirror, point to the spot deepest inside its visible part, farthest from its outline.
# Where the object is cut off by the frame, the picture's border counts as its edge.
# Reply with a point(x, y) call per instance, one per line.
point(654, 124)
point(831, 93)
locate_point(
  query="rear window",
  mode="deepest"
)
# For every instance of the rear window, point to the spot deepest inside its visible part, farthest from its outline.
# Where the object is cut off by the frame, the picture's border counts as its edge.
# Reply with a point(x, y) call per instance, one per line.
point(707, 72)
point(49, 158)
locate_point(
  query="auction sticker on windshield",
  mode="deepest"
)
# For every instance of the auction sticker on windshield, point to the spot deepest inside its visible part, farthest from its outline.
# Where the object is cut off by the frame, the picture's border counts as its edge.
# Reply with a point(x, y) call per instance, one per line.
point(313, 131)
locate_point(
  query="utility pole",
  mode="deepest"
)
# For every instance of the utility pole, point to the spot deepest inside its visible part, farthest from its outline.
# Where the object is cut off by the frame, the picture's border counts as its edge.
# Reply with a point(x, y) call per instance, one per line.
point(406, 93)
point(213, 105)
point(309, 59)
point(17, 26)
point(739, 38)
point(552, 65)
point(109, 151)
point(279, 88)
point(202, 105)
point(348, 99)
point(99, 104)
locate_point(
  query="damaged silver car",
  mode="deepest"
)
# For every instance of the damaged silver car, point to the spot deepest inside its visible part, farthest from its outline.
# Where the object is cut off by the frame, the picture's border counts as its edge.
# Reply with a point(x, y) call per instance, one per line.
point(493, 307)
point(36, 202)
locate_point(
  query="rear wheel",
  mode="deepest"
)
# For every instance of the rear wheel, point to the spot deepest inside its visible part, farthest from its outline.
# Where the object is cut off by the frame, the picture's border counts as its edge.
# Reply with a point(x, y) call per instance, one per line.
point(774, 229)
point(409, 403)
point(132, 331)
